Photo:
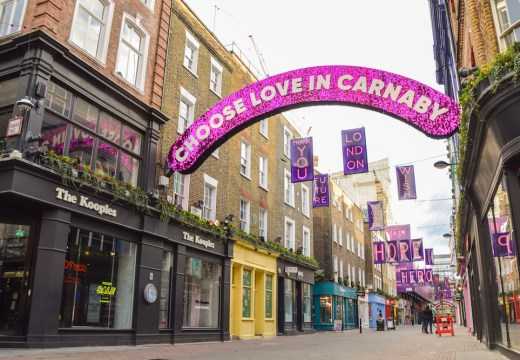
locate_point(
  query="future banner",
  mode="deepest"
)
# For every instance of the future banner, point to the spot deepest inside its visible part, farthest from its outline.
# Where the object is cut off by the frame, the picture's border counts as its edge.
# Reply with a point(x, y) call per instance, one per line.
point(398, 251)
point(302, 165)
point(320, 190)
point(376, 219)
point(354, 151)
point(406, 182)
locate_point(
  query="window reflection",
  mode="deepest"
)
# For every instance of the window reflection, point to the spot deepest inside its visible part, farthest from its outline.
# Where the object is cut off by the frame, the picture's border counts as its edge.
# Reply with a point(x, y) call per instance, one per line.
point(80, 146)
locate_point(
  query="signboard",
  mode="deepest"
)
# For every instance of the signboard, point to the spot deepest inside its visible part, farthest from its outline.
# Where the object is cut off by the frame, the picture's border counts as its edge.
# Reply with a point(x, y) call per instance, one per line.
point(320, 190)
point(354, 151)
point(14, 126)
point(338, 325)
point(291, 269)
point(360, 293)
point(302, 165)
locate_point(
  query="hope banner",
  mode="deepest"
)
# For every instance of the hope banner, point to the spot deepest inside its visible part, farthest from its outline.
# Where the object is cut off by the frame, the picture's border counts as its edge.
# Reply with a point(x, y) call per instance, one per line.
point(320, 190)
point(406, 182)
point(375, 215)
point(302, 165)
point(354, 151)
point(379, 252)
point(417, 250)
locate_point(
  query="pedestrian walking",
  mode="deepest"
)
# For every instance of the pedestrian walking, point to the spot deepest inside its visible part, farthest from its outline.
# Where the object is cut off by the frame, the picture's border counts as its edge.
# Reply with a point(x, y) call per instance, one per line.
point(412, 318)
point(427, 318)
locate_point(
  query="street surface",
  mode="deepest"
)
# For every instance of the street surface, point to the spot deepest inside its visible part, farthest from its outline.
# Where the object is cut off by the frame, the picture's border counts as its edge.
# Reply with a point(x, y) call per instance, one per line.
point(405, 343)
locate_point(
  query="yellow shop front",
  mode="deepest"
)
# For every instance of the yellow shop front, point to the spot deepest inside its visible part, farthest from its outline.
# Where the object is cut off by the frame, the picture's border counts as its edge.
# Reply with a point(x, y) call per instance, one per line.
point(253, 292)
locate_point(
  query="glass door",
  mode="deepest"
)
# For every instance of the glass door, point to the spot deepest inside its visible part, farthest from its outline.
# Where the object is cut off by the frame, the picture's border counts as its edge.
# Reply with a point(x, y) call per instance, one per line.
point(14, 277)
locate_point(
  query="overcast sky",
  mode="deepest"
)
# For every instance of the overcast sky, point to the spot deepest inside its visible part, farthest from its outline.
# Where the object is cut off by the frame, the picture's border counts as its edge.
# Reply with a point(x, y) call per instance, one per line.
point(394, 36)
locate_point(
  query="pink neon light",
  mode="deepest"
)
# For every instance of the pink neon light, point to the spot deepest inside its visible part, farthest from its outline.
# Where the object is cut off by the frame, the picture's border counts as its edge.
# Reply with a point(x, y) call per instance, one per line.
point(427, 109)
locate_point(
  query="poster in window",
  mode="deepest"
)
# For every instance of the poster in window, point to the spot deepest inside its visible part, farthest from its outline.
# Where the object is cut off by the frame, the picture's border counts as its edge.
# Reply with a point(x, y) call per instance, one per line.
point(247, 277)
point(246, 303)
point(268, 304)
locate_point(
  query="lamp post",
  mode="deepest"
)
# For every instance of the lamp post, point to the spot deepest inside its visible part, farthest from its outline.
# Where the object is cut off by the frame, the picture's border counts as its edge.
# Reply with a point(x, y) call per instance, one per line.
point(441, 164)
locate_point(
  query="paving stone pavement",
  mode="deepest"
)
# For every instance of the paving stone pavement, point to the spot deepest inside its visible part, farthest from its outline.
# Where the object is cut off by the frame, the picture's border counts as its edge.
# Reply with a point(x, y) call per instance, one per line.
point(405, 343)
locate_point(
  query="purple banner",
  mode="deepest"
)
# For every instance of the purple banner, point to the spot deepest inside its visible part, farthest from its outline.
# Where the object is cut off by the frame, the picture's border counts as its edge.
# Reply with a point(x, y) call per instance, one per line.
point(302, 165)
point(406, 182)
point(320, 190)
point(376, 219)
point(379, 252)
point(420, 276)
point(428, 256)
point(405, 251)
point(503, 245)
point(417, 250)
point(428, 276)
point(354, 151)
point(392, 255)
point(398, 232)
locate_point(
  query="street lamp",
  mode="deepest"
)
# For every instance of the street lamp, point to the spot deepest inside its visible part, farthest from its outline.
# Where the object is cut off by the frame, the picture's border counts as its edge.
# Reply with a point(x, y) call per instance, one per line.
point(441, 164)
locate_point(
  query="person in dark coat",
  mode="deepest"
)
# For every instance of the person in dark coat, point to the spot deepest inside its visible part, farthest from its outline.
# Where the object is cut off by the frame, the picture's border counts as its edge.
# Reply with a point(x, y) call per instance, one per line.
point(427, 318)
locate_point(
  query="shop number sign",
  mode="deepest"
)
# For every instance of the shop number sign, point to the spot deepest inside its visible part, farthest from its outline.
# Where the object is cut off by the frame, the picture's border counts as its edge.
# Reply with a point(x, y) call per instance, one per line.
point(150, 293)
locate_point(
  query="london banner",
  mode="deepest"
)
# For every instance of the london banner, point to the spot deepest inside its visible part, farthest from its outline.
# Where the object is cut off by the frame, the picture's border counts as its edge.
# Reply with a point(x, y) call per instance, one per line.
point(354, 151)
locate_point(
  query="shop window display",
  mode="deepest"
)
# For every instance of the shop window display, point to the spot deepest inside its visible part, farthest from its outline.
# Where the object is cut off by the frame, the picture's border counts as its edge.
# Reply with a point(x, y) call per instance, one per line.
point(506, 266)
point(307, 303)
point(326, 309)
point(98, 281)
point(166, 281)
point(289, 300)
point(201, 306)
point(269, 296)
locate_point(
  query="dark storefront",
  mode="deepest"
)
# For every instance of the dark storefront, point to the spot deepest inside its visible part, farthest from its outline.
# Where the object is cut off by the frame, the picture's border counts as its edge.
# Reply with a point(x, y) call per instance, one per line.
point(294, 297)
point(83, 265)
point(492, 215)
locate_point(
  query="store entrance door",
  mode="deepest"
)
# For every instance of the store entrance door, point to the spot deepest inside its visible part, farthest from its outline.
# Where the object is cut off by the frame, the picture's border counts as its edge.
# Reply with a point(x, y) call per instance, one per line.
point(14, 277)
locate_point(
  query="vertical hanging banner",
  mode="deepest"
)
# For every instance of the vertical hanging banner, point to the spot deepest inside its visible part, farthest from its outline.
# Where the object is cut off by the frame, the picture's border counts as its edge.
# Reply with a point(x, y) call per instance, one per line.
point(376, 219)
point(417, 250)
point(503, 245)
point(354, 151)
point(302, 164)
point(405, 251)
point(420, 276)
point(428, 256)
point(393, 252)
point(379, 252)
point(428, 276)
point(406, 182)
point(398, 232)
point(320, 190)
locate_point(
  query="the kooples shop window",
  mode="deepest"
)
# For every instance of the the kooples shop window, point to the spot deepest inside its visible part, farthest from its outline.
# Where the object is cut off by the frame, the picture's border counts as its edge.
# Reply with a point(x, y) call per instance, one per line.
point(201, 293)
point(98, 281)
point(76, 128)
point(506, 267)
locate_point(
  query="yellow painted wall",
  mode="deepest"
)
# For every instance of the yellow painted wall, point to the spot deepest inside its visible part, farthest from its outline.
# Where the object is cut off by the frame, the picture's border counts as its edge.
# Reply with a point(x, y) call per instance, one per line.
point(261, 263)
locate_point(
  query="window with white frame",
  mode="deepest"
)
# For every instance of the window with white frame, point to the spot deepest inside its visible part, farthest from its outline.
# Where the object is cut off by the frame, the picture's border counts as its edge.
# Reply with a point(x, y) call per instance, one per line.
point(132, 53)
point(262, 171)
point(215, 77)
point(186, 110)
point(360, 274)
point(341, 269)
point(287, 136)
point(90, 26)
point(507, 20)
point(335, 268)
point(245, 158)
point(290, 233)
point(191, 53)
point(289, 189)
point(264, 127)
point(363, 251)
point(334, 200)
point(349, 273)
point(149, 3)
point(352, 247)
point(180, 189)
point(11, 15)
point(340, 205)
point(262, 223)
point(306, 201)
point(358, 248)
point(244, 215)
point(347, 240)
point(306, 241)
point(334, 233)
point(340, 235)
point(209, 207)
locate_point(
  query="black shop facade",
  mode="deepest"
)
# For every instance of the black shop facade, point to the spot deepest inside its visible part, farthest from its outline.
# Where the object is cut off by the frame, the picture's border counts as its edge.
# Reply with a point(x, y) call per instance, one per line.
point(79, 269)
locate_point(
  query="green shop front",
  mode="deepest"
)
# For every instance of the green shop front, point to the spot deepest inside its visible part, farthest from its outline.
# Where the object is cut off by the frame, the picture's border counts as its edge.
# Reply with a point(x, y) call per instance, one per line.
point(338, 307)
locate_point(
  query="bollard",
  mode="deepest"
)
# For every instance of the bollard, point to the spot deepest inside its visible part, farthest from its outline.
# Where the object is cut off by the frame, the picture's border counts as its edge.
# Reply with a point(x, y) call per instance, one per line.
point(360, 328)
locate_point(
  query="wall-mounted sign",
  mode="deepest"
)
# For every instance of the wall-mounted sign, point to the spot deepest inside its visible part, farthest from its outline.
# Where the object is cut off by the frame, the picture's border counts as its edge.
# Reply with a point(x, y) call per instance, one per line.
point(85, 202)
point(14, 126)
point(291, 269)
point(198, 240)
point(150, 293)
point(417, 104)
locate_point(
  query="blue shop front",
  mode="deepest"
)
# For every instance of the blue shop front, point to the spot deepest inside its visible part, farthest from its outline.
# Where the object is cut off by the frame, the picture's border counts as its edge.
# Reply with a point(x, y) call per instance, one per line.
point(338, 307)
point(376, 309)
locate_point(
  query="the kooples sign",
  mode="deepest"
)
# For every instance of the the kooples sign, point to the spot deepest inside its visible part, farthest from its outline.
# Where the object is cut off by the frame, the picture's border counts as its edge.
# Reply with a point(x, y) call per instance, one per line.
point(198, 240)
point(84, 201)
point(423, 107)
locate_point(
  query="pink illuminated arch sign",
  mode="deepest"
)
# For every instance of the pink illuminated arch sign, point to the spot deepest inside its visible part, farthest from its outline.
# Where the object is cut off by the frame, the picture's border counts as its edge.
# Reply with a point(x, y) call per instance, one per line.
point(427, 109)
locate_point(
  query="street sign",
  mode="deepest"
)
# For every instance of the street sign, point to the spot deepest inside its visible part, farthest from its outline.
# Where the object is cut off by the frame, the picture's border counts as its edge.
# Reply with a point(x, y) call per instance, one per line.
point(360, 293)
point(458, 297)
